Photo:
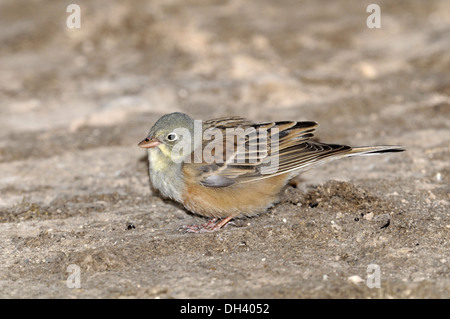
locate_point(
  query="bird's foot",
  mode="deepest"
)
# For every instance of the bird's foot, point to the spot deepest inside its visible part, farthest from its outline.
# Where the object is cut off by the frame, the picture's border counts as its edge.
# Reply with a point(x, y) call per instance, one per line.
point(209, 226)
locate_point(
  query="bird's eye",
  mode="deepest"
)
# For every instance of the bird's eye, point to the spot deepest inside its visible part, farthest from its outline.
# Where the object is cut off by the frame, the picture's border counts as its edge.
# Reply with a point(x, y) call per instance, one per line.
point(172, 137)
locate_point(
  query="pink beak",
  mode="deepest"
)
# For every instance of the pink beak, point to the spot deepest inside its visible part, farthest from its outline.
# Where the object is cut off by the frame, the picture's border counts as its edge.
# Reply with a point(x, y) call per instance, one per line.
point(149, 143)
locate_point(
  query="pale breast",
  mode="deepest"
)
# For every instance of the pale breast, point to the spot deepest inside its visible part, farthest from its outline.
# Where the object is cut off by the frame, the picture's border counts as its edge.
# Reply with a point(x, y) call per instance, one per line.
point(165, 175)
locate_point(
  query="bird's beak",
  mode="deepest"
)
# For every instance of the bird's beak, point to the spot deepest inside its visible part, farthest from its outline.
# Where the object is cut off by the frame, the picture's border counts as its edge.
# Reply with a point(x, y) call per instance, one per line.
point(149, 143)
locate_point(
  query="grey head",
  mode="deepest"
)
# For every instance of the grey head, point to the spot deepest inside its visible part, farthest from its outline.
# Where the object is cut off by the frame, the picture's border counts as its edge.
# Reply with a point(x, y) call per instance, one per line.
point(170, 123)
point(170, 130)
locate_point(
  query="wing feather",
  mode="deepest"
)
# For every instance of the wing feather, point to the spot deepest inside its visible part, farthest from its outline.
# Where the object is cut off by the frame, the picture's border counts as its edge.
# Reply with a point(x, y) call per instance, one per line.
point(242, 158)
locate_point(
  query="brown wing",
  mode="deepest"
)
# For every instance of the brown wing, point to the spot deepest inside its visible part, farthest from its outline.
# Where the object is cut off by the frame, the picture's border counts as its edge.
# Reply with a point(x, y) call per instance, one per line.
point(256, 150)
point(220, 163)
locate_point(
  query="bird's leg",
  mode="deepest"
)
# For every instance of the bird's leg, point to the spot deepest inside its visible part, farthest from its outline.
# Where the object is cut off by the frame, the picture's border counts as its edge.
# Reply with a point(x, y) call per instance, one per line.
point(209, 226)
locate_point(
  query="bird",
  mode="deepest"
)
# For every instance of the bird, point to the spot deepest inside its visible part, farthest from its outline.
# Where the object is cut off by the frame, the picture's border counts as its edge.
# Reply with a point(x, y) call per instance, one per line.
point(232, 167)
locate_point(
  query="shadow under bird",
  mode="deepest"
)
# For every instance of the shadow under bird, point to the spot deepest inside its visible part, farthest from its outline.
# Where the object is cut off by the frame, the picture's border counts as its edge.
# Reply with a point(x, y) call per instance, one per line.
point(237, 176)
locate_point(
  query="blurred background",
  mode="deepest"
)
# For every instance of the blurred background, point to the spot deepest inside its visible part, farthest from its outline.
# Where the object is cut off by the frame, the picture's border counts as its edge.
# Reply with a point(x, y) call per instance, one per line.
point(132, 61)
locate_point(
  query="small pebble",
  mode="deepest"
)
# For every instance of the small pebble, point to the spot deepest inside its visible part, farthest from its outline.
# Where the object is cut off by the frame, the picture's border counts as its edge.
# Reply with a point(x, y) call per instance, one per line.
point(355, 279)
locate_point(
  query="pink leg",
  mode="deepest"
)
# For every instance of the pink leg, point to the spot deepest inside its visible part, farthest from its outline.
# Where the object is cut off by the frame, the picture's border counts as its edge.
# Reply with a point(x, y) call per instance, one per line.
point(209, 226)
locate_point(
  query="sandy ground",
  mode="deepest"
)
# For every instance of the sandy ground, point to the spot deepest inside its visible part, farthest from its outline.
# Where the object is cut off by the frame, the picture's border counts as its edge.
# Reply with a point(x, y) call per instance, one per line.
point(74, 187)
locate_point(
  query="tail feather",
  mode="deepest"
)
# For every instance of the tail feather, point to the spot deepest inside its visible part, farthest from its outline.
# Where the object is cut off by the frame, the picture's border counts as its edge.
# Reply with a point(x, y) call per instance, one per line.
point(374, 150)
